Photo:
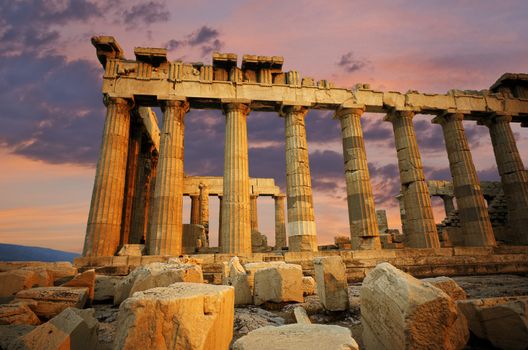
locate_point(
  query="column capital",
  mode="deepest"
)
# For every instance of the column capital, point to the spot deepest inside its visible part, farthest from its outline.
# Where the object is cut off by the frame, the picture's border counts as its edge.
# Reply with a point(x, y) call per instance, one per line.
point(447, 117)
point(342, 112)
point(494, 119)
point(279, 196)
point(393, 114)
point(242, 107)
point(293, 109)
point(253, 196)
point(184, 104)
point(120, 101)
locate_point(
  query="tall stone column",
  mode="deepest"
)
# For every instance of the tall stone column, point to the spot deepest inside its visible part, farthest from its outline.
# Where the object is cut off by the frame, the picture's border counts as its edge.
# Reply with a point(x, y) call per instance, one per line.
point(204, 210)
point(104, 220)
point(220, 222)
point(301, 220)
point(419, 222)
point(514, 176)
point(195, 209)
point(146, 170)
point(236, 221)
point(472, 210)
point(254, 212)
point(280, 223)
point(166, 227)
point(364, 231)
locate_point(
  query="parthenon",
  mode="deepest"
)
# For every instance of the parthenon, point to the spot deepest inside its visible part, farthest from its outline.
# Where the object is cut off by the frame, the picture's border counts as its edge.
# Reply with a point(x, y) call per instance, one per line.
point(140, 181)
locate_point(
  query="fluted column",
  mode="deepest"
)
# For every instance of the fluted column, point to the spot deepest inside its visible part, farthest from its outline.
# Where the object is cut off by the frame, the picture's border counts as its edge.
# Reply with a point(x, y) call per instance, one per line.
point(104, 220)
point(204, 210)
point(254, 212)
point(472, 210)
point(166, 227)
point(364, 231)
point(514, 176)
point(301, 220)
point(145, 171)
point(195, 209)
point(280, 223)
point(236, 224)
point(419, 222)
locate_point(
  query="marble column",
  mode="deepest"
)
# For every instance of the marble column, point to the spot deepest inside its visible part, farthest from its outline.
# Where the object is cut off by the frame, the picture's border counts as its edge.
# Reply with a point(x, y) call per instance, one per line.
point(254, 212)
point(220, 222)
point(280, 223)
point(364, 232)
point(301, 220)
point(166, 226)
point(204, 210)
point(449, 206)
point(472, 210)
point(104, 220)
point(514, 176)
point(236, 221)
point(134, 147)
point(419, 222)
point(195, 209)
point(146, 170)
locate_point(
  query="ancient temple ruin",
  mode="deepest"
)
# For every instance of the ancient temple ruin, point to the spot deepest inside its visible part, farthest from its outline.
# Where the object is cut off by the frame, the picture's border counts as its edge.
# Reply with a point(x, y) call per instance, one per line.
point(140, 182)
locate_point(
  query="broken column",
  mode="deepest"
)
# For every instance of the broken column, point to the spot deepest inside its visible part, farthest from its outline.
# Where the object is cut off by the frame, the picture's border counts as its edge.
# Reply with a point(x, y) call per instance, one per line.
point(513, 176)
point(166, 227)
point(361, 209)
point(472, 210)
point(104, 220)
point(236, 224)
point(419, 221)
point(301, 220)
point(331, 282)
point(280, 224)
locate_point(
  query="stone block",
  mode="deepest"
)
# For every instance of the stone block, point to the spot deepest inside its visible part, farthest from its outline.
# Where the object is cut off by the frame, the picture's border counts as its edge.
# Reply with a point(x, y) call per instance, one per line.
point(279, 283)
point(71, 329)
point(16, 314)
point(308, 285)
point(297, 337)
point(331, 280)
point(239, 280)
point(181, 316)
point(105, 287)
point(252, 268)
point(300, 315)
point(503, 321)
point(448, 286)
point(156, 275)
point(399, 311)
point(84, 279)
point(47, 302)
point(13, 281)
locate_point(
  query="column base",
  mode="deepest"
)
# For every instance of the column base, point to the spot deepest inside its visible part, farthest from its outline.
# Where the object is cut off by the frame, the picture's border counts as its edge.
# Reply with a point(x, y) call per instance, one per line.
point(366, 243)
point(302, 243)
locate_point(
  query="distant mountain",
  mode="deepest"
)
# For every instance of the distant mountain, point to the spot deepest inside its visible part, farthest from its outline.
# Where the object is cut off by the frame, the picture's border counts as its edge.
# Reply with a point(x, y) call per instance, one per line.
point(12, 252)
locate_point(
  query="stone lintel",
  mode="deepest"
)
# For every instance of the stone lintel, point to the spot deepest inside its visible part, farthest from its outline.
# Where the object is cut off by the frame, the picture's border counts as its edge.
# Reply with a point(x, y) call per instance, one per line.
point(151, 55)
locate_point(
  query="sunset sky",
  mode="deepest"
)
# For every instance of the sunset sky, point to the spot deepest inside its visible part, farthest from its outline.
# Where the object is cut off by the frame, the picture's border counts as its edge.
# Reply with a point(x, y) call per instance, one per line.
point(52, 112)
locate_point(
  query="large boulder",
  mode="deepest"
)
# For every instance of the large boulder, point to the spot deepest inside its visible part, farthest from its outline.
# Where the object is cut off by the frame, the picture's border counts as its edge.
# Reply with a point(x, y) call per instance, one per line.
point(47, 302)
point(85, 279)
point(503, 321)
point(156, 275)
point(105, 287)
point(449, 286)
point(399, 311)
point(13, 281)
point(238, 278)
point(279, 283)
point(298, 337)
point(182, 316)
point(331, 280)
point(308, 285)
point(17, 313)
point(252, 268)
point(71, 329)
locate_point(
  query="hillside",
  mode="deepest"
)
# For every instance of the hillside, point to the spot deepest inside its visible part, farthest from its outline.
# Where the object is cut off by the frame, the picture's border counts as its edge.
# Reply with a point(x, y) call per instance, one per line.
point(12, 252)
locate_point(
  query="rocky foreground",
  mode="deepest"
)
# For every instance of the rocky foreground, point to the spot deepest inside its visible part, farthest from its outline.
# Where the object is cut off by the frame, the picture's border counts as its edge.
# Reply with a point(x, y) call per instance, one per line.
point(258, 306)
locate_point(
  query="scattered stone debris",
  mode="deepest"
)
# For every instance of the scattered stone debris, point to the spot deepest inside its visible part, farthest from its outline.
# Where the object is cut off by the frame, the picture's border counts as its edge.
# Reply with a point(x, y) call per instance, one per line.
point(48, 302)
point(331, 279)
point(249, 318)
point(279, 283)
point(308, 285)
